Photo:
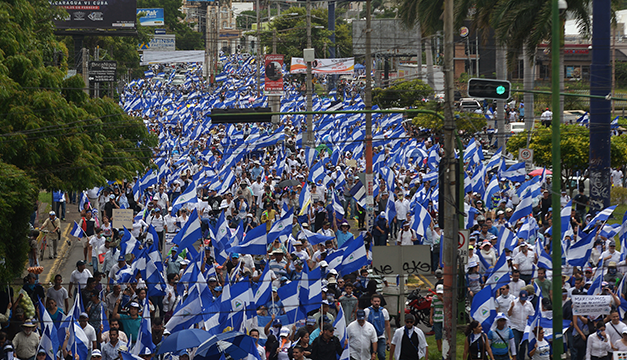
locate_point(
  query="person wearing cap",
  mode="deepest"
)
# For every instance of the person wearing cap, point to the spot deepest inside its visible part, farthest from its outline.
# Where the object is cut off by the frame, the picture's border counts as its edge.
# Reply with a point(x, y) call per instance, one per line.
point(273, 327)
point(173, 262)
point(284, 343)
point(26, 341)
point(474, 280)
point(362, 336)
point(436, 316)
point(409, 342)
point(130, 322)
point(501, 339)
point(472, 257)
point(146, 353)
point(89, 330)
point(379, 317)
point(157, 221)
point(79, 277)
point(613, 277)
point(96, 354)
point(406, 235)
point(343, 234)
point(41, 354)
point(518, 314)
point(621, 344)
point(53, 226)
point(326, 346)
point(439, 276)
point(611, 255)
point(380, 230)
point(524, 262)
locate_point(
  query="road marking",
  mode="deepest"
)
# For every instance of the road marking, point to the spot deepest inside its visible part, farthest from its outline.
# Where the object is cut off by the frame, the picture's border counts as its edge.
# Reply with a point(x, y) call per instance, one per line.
point(426, 281)
point(54, 269)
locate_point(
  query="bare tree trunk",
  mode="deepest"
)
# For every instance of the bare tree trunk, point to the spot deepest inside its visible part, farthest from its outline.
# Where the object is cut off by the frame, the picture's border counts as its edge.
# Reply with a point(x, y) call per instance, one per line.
point(429, 53)
point(528, 85)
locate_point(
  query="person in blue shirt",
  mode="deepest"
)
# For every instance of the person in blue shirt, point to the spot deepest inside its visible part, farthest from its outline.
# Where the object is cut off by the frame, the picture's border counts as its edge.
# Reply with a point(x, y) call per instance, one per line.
point(343, 235)
point(380, 230)
point(59, 199)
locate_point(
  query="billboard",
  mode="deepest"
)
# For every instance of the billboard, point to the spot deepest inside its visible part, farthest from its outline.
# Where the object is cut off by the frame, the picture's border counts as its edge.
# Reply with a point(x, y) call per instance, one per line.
point(388, 36)
point(323, 66)
point(102, 71)
point(274, 73)
point(166, 42)
point(152, 17)
point(97, 14)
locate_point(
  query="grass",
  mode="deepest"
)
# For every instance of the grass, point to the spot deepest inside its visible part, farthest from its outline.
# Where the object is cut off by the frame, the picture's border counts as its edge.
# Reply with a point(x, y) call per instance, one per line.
point(433, 347)
point(618, 215)
point(46, 197)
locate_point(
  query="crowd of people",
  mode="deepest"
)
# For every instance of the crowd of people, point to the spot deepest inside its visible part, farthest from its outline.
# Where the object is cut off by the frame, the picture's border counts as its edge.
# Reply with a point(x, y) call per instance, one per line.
point(243, 228)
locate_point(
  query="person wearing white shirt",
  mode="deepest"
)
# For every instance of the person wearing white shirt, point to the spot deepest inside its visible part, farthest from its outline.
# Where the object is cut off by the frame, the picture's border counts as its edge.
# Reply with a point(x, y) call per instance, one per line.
point(504, 301)
point(89, 330)
point(138, 227)
point(617, 178)
point(516, 284)
point(564, 198)
point(409, 339)
point(518, 313)
point(254, 333)
point(471, 256)
point(610, 254)
point(162, 198)
point(598, 344)
point(406, 236)
point(170, 222)
point(361, 337)
point(402, 208)
point(524, 262)
point(614, 328)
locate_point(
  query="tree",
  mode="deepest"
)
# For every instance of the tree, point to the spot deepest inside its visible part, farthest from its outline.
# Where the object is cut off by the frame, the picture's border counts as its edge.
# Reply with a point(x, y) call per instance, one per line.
point(186, 37)
point(574, 145)
point(19, 193)
point(52, 135)
point(292, 33)
point(245, 19)
point(403, 94)
point(464, 122)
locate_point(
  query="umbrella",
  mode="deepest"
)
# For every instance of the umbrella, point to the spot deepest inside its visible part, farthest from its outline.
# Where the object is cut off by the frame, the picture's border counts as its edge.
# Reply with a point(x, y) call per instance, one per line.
point(234, 343)
point(537, 172)
point(289, 182)
point(183, 339)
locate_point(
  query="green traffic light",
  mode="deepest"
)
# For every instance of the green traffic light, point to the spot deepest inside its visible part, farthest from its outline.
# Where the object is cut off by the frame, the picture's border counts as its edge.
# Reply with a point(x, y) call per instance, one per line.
point(500, 89)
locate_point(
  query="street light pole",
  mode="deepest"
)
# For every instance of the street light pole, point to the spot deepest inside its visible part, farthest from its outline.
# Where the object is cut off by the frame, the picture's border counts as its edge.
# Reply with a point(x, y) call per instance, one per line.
point(368, 102)
point(258, 57)
point(309, 138)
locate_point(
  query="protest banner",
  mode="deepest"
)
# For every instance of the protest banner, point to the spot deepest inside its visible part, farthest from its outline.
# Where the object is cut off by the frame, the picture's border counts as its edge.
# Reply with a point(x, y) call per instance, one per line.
point(591, 305)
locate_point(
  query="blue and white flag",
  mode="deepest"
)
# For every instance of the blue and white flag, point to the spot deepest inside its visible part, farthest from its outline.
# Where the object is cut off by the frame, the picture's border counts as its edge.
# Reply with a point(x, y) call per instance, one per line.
point(499, 275)
point(493, 188)
point(289, 295)
point(505, 240)
point(282, 227)
point(187, 197)
point(579, 253)
point(622, 235)
point(355, 255)
point(144, 337)
point(596, 287)
point(600, 217)
point(255, 242)
point(337, 205)
point(421, 220)
point(495, 160)
point(128, 244)
point(523, 209)
point(515, 173)
point(77, 231)
point(264, 288)
point(544, 260)
point(188, 313)
point(190, 233)
point(340, 331)
point(483, 308)
point(310, 288)
point(49, 339)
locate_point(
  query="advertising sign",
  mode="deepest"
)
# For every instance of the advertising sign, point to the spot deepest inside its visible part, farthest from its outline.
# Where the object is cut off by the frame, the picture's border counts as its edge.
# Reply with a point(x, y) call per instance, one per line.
point(274, 73)
point(152, 17)
point(324, 66)
point(160, 43)
point(102, 71)
point(97, 14)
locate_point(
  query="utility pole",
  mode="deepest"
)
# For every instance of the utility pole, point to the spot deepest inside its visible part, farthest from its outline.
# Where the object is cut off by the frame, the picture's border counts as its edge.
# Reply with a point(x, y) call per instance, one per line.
point(369, 176)
point(450, 190)
point(501, 63)
point(207, 44)
point(309, 138)
point(556, 35)
point(85, 58)
point(97, 85)
point(258, 58)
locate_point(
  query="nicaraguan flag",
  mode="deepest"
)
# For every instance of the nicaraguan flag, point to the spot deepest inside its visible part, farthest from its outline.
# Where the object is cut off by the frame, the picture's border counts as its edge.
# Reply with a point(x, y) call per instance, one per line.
point(601, 216)
point(523, 209)
point(190, 233)
point(355, 255)
point(622, 235)
point(340, 331)
point(515, 173)
point(187, 197)
point(493, 188)
point(187, 314)
point(77, 231)
point(495, 160)
point(264, 288)
point(254, 243)
point(579, 253)
point(144, 337)
point(483, 308)
point(49, 339)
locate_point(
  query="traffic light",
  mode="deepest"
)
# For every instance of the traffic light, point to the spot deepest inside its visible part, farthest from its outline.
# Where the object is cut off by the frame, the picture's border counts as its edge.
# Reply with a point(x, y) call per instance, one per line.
point(489, 89)
point(234, 116)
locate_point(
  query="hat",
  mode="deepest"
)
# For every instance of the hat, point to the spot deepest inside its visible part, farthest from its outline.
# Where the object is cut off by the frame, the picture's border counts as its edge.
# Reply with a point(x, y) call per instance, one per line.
point(472, 264)
point(83, 315)
point(284, 332)
point(508, 258)
point(29, 323)
point(146, 351)
point(325, 302)
point(79, 263)
point(134, 305)
point(298, 242)
point(406, 223)
point(345, 223)
point(327, 326)
point(235, 256)
point(52, 213)
point(212, 278)
point(382, 214)
point(184, 262)
point(277, 322)
point(95, 353)
point(361, 315)
point(523, 295)
point(43, 351)
point(612, 243)
point(121, 258)
point(438, 273)
point(166, 332)
point(501, 316)
point(275, 289)
point(323, 263)
point(332, 281)
point(175, 249)
point(333, 271)
point(277, 252)
point(439, 289)
point(123, 348)
point(312, 321)
point(8, 347)
point(470, 247)
point(218, 288)
point(611, 264)
point(305, 225)
point(480, 218)
point(486, 242)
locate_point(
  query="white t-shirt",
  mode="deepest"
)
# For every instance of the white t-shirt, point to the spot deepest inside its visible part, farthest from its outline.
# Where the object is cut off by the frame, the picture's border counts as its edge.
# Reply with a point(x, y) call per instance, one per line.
point(543, 351)
point(96, 242)
point(91, 335)
point(78, 277)
point(360, 339)
point(59, 296)
point(386, 317)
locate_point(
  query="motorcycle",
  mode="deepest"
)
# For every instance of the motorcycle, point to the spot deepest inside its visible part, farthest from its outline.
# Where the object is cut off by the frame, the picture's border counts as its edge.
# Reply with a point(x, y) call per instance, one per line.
point(419, 305)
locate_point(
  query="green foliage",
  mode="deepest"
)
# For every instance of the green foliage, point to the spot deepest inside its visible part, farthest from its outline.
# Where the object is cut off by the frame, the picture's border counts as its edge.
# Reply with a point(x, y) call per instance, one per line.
point(246, 19)
point(618, 196)
point(464, 122)
point(292, 33)
point(574, 145)
point(621, 74)
point(51, 130)
point(402, 94)
point(19, 194)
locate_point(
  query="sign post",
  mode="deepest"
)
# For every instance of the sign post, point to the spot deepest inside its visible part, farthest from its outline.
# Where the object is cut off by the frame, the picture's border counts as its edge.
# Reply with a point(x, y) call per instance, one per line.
point(462, 245)
point(526, 155)
point(102, 71)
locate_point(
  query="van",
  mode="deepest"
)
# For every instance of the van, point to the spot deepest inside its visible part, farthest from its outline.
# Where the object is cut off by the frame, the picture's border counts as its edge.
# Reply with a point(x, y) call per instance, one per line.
point(469, 105)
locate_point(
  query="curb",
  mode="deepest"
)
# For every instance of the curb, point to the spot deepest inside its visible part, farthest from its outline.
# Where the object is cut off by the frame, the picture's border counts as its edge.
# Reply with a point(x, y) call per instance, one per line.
point(61, 259)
